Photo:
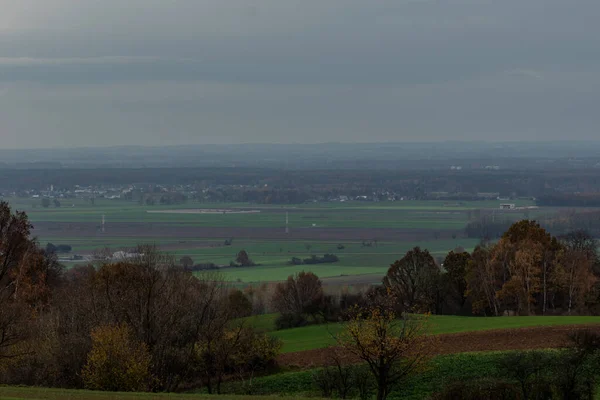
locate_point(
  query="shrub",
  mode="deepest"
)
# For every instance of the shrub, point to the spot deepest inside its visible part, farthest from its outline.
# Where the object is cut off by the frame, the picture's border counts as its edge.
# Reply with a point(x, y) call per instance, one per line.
point(243, 259)
point(296, 261)
point(287, 321)
point(489, 389)
point(236, 351)
point(239, 304)
point(532, 370)
point(313, 260)
point(203, 267)
point(186, 261)
point(344, 381)
point(117, 361)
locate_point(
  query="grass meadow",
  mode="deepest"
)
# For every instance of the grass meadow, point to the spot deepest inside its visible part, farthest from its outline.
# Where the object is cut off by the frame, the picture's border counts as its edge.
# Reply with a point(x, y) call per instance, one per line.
point(428, 218)
point(320, 336)
point(428, 214)
point(441, 370)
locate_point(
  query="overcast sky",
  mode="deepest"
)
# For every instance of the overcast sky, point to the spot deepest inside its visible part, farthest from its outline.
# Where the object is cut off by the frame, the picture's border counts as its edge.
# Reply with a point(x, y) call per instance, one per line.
point(159, 72)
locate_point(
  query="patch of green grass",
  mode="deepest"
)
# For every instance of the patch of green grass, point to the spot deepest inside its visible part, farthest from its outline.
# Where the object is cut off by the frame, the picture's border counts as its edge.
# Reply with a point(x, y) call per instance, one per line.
point(278, 271)
point(22, 393)
point(274, 257)
point(440, 371)
point(262, 323)
point(320, 336)
point(435, 215)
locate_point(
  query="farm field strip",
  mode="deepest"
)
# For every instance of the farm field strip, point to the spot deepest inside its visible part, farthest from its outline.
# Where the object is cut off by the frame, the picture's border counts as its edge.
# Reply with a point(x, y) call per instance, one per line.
point(210, 247)
point(408, 214)
point(320, 336)
point(274, 258)
point(391, 228)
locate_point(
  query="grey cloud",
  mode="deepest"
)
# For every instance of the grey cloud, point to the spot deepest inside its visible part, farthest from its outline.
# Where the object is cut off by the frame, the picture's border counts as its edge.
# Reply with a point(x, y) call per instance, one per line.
point(91, 71)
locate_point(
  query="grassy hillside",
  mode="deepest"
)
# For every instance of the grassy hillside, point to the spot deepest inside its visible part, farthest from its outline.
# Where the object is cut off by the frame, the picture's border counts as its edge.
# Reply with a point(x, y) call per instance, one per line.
point(441, 371)
point(319, 336)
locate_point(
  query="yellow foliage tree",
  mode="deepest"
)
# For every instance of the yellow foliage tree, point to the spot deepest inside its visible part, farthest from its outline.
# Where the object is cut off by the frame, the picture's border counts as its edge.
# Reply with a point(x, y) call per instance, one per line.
point(117, 361)
point(393, 348)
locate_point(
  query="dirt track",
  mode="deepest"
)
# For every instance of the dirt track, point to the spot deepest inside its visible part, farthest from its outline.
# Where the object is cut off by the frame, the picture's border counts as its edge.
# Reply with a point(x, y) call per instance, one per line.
point(492, 340)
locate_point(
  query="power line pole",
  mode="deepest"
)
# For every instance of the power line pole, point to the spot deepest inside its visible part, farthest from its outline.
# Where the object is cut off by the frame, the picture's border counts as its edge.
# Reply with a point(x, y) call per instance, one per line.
point(287, 221)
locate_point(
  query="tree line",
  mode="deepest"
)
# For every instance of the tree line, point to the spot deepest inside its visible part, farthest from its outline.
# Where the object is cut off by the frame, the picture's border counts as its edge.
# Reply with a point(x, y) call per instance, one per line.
point(526, 272)
point(137, 325)
point(561, 187)
point(148, 324)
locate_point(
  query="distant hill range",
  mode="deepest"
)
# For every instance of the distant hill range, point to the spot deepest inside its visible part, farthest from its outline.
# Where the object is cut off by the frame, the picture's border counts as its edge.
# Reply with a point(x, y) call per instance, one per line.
point(442, 155)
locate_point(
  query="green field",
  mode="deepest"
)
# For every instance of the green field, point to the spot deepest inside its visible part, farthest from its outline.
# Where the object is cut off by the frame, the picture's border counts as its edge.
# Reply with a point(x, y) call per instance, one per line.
point(320, 336)
point(274, 257)
point(399, 214)
point(427, 219)
point(442, 370)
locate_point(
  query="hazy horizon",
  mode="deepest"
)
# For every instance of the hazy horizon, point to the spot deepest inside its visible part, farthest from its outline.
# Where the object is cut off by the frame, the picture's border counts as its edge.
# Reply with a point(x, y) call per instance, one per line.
point(437, 143)
point(91, 73)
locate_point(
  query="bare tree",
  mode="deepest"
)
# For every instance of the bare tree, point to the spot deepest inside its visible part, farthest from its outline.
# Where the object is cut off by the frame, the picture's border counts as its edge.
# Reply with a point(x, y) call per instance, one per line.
point(483, 281)
point(393, 348)
point(575, 275)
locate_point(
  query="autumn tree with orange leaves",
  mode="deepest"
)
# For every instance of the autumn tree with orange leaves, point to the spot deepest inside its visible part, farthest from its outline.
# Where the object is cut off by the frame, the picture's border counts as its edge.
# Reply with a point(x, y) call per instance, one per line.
point(515, 274)
point(526, 255)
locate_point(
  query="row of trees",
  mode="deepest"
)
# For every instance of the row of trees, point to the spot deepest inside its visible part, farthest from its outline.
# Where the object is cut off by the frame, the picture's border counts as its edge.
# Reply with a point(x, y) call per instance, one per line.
point(380, 347)
point(528, 271)
point(491, 226)
point(314, 259)
point(143, 324)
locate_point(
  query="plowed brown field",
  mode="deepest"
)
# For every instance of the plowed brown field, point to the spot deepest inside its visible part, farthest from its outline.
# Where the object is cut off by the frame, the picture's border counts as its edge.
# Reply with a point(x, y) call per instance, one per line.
point(490, 340)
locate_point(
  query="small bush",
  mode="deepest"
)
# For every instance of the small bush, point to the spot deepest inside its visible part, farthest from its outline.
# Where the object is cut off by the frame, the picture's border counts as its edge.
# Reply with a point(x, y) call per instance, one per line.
point(489, 389)
point(313, 260)
point(287, 321)
point(531, 370)
point(344, 381)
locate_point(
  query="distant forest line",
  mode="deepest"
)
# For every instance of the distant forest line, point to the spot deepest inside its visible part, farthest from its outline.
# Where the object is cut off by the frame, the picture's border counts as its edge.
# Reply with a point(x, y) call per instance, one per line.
point(564, 188)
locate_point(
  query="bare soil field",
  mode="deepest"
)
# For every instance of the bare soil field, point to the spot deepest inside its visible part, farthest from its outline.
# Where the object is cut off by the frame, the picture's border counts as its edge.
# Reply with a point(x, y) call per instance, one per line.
point(546, 337)
point(155, 230)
